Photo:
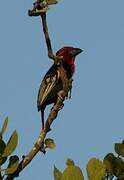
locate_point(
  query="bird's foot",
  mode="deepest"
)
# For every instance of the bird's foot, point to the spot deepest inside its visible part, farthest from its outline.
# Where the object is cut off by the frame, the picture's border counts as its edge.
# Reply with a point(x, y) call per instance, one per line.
point(62, 105)
point(42, 149)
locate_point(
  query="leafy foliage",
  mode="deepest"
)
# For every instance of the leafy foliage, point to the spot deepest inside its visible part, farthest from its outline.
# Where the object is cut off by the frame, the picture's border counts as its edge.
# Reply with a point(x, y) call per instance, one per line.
point(46, 4)
point(119, 149)
point(57, 174)
point(96, 169)
point(50, 143)
point(4, 127)
point(114, 165)
point(111, 168)
point(2, 147)
point(11, 145)
point(50, 2)
point(71, 172)
point(6, 149)
point(45, 9)
point(13, 165)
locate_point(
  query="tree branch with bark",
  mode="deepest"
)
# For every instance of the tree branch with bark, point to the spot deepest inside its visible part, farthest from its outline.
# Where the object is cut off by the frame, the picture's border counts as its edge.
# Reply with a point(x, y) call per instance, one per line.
point(38, 10)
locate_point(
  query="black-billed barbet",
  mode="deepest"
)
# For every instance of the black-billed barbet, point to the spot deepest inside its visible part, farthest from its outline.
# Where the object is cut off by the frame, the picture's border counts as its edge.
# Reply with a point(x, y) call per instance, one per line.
point(51, 83)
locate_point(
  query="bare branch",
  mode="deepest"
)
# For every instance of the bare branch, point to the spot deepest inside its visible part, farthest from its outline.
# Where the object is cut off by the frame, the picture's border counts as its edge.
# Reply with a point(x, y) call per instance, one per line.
point(47, 38)
point(36, 11)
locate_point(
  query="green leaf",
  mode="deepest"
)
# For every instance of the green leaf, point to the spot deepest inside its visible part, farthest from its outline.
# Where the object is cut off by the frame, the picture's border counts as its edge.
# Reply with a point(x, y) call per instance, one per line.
point(114, 165)
point(13, 165)
point(50, 143)
point(5, 124)
point(72, 172)
point(51, 2)
point(2, 160)
point(57, 174)
point(70, 162)
point(120, 177)
point(2, 147)
point(118, 166)
point(119, 149)
point(11, 145)
point(95, 169)
point(108, 161)
point(44, 10)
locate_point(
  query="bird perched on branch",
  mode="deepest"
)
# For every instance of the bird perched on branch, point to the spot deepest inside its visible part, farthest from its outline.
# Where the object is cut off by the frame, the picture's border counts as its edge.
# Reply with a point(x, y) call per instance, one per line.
point(52, 83)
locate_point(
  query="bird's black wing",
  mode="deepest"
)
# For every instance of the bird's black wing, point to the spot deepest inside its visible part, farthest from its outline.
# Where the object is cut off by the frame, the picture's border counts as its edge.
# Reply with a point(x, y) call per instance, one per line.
point(48, 83)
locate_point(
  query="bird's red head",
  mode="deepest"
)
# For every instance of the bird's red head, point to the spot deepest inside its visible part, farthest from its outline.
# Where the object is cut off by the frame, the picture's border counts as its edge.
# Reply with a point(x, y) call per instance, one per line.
point(69, 54)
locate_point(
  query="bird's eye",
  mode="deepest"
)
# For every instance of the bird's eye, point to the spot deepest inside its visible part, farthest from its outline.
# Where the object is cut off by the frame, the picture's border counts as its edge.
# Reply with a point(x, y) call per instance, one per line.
point(67, 53)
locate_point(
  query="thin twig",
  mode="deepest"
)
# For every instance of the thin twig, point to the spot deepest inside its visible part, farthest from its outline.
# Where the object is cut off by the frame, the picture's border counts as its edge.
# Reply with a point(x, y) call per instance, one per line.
point(47, 38)
point(51, 55)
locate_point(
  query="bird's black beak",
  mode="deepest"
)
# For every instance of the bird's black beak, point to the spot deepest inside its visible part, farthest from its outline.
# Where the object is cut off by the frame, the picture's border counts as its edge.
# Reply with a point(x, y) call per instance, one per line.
point(75, 51)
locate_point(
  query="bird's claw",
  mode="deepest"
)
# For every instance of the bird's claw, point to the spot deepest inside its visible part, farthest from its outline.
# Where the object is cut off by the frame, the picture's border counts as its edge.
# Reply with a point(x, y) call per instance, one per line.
point(42, 149)
point(62, 105)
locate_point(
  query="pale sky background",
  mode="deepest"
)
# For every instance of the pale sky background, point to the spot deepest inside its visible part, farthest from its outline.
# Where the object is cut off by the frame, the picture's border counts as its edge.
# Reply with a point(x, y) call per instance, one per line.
point(93, 120)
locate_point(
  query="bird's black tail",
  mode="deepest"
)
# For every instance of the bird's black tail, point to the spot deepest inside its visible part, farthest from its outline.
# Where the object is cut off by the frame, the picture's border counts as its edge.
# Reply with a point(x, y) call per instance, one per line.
point(42, 118)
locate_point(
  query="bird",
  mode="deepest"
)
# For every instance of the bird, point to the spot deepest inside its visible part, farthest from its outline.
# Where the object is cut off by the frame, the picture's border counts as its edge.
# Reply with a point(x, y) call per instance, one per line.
point(52, 83)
